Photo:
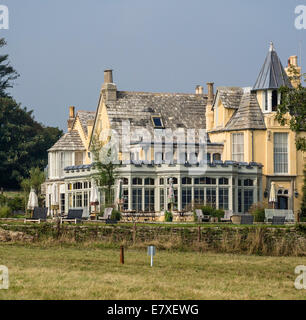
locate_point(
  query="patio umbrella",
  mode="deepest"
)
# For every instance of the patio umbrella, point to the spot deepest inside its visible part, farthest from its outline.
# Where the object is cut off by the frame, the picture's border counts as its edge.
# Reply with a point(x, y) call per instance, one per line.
point(94, 197)
point(54, 195)
point(33, 200)
point(120, 193)
point(272, 197)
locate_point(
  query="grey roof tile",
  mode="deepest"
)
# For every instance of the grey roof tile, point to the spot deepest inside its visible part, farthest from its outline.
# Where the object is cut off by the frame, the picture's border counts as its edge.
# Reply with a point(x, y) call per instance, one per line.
point(70, 141)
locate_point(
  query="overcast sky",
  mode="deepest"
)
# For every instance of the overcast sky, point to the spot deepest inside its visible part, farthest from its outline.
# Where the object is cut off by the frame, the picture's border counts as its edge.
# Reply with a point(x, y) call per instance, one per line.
point(61, 47)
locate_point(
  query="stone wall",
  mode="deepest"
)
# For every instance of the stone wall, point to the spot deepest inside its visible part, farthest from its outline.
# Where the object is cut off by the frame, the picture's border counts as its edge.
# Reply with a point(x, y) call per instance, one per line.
point(232, 239)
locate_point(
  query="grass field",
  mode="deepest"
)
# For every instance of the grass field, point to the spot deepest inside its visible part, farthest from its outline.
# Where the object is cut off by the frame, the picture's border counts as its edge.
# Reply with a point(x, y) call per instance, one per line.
point(71, 272)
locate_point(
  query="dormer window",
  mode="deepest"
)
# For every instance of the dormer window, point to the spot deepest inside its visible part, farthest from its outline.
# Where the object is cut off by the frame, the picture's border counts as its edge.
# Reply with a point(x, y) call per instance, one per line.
point(274, 100)
point(157, 122)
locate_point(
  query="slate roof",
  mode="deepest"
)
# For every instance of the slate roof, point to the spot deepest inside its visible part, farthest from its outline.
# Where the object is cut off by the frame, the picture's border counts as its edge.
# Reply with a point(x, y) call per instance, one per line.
point(272, 74)
point(177, 110)
point(84, 116)
point(70, 141)
point(230, 96)
point(248, 116)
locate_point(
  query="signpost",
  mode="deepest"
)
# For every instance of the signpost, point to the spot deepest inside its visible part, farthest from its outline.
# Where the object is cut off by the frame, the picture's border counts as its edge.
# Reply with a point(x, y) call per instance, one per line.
point(151, 252)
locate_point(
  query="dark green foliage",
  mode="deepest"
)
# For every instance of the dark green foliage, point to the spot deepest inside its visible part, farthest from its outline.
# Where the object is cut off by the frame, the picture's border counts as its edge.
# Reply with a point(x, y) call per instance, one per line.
point(7, 73)
point(5, 212)
point(208, 210)
point(116, 215)
point(16, 203)
point(168, 216)
point(294, 102)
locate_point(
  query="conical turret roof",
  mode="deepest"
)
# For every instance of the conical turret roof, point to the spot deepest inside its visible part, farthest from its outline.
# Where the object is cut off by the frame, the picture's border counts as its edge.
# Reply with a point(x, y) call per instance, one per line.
point(272, 74)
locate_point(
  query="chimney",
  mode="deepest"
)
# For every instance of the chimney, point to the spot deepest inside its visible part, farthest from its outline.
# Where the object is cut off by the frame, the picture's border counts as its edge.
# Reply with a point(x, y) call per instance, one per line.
point(199, 90)
point(292, 61)
point(71, 117)
point(294, 75)
point(108, 76)
point(210, 95)
point(109, 89)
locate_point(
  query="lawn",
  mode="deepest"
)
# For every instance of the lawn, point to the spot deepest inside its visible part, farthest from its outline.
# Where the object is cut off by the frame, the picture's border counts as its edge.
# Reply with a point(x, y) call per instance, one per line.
point(71, 272)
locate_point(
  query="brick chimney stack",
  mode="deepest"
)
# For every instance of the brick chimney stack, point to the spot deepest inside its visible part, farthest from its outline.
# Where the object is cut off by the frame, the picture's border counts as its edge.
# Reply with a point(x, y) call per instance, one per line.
point(109, 89)
point(71, 117)
point(199, 90)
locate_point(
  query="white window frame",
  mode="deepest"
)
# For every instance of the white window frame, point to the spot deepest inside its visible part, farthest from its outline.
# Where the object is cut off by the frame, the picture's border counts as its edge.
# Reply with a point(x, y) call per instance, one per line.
point(237, 139)
point(280, 152)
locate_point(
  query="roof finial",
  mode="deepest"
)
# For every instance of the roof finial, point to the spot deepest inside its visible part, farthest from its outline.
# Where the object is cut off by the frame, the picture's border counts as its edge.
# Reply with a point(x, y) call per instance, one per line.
point(271, 46)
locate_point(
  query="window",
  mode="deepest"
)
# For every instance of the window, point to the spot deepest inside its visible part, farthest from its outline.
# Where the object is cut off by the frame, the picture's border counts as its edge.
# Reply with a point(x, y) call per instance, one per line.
point(223, 181)
point(149, 200)
point(208, 157)
point(85, 199)
point(125, 181)
point(248, 199)
point(239, 200)
point(210, 181)
point(186, 180)
point(280, 152)
point(211, 197)
point(85, 185)
point(274, 100)
point(125, 199)
point(161, 181)
point(223, 198)
point(162, 199)
point(237, 147)
point(157, 122)
point(149, 182)
point(186, 197)
point(62, 202)
point(78, 200)
point(266, 101)
point(137, 181)
point(137, 199)
point(199, 196)
point(248, 183)
point(217, 156)
point(201, 180)
point(77, 186)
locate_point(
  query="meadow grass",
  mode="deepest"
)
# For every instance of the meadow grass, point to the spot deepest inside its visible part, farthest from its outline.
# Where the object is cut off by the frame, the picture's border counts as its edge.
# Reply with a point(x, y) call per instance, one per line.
point(93, 271)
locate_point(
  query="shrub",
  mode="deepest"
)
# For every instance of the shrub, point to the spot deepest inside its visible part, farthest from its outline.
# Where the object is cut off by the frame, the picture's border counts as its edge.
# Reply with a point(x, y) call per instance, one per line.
point(168, 216)
point(208, 210)
point(116, 215)
point(16, 203)
point(3, 200)
point(5, 212)
point(219, 213)
point(258, 211)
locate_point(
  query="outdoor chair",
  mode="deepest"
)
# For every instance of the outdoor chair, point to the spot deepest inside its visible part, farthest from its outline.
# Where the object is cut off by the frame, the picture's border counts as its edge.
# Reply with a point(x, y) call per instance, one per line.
point(247, 219)
point(278, 220)
point(227, 217)
point(201, 217)
point(39, 214)
point(106, 215)
point(74, 215)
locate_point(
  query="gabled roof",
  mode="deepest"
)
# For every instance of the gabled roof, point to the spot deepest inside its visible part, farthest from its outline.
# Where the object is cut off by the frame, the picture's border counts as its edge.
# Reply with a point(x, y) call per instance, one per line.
point(70, 141)
point(176, 110)
point(248, 116)
point(84, 116)
point(272, 74)
point(229, 96)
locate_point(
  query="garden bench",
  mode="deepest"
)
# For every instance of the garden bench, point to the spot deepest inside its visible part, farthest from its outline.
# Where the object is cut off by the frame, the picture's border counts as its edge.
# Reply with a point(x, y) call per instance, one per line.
point(278, 220)
point(74, 215)
point(39, 214)
point(247, 219)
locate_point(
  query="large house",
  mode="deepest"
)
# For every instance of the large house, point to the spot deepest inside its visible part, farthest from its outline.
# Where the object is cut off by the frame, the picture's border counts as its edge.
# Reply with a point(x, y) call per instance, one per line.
point(223, 149)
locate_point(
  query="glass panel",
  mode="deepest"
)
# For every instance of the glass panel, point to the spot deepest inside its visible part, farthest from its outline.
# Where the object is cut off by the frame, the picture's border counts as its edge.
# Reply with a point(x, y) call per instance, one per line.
point(280, 152)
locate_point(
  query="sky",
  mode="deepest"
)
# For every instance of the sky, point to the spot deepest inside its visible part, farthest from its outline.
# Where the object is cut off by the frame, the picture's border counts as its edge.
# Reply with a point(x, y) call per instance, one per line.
point(61, 48)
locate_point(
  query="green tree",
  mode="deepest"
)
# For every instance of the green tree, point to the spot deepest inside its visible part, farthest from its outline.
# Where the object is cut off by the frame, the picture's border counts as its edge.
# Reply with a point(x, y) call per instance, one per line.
point(23, 143)
point(106, 169)
point(7, 73)
point(293, 102)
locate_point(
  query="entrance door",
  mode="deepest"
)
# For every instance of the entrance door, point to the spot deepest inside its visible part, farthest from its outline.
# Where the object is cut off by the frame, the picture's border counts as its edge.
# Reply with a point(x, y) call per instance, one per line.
point(282, 202)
